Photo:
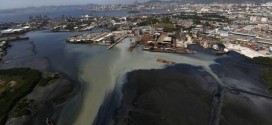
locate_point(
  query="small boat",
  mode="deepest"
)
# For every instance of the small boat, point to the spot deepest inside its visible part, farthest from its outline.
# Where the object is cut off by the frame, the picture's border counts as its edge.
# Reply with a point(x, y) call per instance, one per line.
point(165, 61)
point(216, 47)
point(222, 52)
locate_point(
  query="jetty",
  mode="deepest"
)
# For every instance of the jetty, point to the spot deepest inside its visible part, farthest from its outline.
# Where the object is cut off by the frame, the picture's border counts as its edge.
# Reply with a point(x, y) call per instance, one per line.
point(118, 41)
point(133, 45)
point(93, 38)
point(169, 50)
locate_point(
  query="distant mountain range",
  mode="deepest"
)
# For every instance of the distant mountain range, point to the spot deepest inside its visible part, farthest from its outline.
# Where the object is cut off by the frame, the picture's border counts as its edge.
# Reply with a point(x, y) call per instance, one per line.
point(52, 7)
point(216, 1)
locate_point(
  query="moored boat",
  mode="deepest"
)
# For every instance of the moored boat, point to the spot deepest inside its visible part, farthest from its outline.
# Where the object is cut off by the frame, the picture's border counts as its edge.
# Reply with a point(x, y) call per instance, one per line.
point(165, 61)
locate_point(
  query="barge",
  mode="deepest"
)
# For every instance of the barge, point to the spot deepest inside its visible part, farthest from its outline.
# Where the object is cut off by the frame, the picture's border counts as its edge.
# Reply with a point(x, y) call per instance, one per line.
point(165, 61)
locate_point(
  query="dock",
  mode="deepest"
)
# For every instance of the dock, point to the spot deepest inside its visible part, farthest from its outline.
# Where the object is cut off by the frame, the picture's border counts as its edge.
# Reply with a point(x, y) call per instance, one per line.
point(133, 45)
point(92, 38)
point(98, 36)
point(118, 41)
point(178, 51)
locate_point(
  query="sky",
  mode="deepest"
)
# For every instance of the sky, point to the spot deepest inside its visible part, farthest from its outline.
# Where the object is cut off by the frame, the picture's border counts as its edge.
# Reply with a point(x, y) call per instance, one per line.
point(9, 4)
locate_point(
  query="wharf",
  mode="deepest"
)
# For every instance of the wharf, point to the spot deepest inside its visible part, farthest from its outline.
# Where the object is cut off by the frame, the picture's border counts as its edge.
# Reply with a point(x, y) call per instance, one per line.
point(133, 45)
point(118, 41)
point(93, 38)
point(179, 51)
point(98, 36)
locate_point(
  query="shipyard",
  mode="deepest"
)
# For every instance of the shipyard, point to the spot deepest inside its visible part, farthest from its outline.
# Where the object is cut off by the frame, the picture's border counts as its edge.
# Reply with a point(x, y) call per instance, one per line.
point(170, 32)
point(174, 32)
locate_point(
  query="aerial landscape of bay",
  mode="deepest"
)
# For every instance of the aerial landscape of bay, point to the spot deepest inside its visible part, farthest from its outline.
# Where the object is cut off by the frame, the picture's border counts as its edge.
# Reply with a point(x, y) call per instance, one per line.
point(100, 85)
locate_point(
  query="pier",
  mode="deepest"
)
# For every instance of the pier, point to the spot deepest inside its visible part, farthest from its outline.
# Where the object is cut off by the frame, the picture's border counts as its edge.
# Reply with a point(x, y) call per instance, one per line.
point(118, 41)
point(133, 45)
point(178, 51)
point(100, 36)
point(93, 38)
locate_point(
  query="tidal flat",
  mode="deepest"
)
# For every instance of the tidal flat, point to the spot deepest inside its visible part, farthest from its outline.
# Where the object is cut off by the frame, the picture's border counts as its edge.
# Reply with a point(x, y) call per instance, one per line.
point(103, 79)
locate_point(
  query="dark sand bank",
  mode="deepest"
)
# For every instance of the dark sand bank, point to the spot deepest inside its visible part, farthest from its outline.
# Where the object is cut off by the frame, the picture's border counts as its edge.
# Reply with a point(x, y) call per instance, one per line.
point(177, 95)
point(182, 94)
point(238, 110)
point(245, 106)
point(108, 108)
point(240, 72)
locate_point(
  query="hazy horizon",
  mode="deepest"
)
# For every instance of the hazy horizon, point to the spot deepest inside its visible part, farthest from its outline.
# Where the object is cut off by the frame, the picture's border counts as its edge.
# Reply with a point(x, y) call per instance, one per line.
point(13, 4)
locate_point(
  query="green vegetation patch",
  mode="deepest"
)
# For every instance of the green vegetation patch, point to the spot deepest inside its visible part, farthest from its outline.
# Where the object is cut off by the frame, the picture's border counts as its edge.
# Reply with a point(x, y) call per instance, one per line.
point(167, 27)
point(164, 22)
point(23, 108)
point(49, 79)
point(205, 16)
point(267, 78)
point(263, 60)
point(149, 21)
point(114, 29)
point(16, 83)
